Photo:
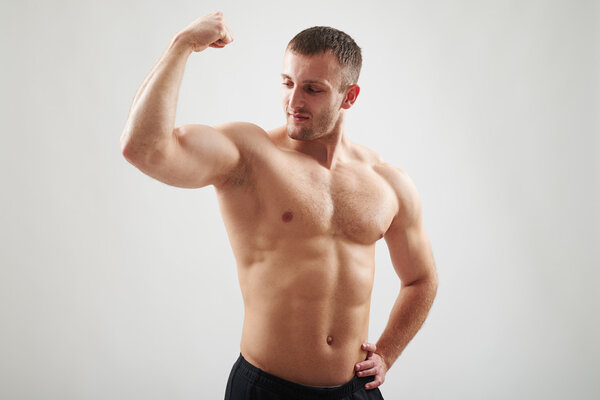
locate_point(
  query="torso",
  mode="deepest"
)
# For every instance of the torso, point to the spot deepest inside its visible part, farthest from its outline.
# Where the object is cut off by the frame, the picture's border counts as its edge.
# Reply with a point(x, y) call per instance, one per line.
point(304, 240)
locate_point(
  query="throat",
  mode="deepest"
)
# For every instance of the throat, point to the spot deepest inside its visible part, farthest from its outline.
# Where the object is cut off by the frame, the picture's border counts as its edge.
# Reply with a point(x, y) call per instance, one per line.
point(327, 151)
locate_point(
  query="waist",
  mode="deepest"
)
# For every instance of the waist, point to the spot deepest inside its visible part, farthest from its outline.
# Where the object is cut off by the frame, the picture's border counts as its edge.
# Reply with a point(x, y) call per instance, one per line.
point(307, 354)
point(291, 389)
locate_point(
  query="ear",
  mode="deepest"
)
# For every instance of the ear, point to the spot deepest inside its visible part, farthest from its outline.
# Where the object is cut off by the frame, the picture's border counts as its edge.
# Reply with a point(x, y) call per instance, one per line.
point(351, 95)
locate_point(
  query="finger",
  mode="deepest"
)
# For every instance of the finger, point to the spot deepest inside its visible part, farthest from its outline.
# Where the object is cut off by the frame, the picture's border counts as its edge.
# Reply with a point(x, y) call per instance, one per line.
point(372, 385)
point(369, 347)
point(365, 365)
point(225, 33)
point(224, 38)
point(228, 35)
point(220, 43)
point(369, 355)
point(367, 372)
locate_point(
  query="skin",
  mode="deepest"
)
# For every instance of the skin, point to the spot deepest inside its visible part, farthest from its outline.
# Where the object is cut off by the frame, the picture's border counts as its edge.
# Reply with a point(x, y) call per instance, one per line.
point(303, 207)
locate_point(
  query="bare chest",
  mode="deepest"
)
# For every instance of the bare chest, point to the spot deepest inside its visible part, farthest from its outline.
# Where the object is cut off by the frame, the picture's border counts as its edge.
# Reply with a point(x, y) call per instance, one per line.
point(350, 201)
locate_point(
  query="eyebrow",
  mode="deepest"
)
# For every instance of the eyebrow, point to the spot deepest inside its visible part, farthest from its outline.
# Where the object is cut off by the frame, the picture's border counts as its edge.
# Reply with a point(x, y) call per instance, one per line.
point(305, 81)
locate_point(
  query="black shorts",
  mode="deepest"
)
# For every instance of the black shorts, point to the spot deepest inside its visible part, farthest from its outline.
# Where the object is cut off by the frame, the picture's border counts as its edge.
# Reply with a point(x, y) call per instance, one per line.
point(247, 382)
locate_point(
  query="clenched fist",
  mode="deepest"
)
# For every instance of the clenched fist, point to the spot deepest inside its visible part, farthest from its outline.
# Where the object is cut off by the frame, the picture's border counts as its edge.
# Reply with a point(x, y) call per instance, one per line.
point(207, 31)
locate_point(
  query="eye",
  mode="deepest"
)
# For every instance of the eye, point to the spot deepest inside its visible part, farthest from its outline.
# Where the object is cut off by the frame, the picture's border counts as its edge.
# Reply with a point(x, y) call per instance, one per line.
point(288, 84)
point(313, 90)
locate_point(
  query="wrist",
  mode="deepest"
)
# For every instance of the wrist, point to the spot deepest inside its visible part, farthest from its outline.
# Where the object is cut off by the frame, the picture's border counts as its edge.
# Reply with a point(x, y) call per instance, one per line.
point(383, 352)
point(181, 42)
point(384, 359)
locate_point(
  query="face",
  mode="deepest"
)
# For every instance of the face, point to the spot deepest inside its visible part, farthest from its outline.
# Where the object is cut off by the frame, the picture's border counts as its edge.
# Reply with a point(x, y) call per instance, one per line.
point(310, 94)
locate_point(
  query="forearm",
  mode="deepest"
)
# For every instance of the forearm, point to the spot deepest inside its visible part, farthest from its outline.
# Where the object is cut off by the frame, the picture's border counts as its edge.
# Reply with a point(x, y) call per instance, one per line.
point(408, 314)
point(152, 115)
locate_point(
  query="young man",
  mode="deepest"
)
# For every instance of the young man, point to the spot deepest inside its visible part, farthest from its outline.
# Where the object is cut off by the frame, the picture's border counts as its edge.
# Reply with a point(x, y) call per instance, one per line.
point(303, 207)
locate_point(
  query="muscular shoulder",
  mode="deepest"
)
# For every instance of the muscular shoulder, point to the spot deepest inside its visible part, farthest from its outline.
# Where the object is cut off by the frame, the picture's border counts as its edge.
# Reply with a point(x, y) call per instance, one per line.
point(402, 185)
point(251, 141)
point(244, 135)
point(409, 202)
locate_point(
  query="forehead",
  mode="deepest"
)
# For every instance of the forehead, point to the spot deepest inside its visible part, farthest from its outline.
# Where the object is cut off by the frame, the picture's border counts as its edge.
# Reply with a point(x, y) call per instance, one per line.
point(318, 67)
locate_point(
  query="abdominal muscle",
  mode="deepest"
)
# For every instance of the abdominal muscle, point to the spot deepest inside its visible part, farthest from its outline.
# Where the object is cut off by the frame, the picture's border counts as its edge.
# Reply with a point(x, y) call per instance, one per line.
point(305, 320)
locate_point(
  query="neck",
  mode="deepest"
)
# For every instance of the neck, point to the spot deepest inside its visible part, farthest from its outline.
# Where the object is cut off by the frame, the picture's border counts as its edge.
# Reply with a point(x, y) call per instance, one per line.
point(328, 149)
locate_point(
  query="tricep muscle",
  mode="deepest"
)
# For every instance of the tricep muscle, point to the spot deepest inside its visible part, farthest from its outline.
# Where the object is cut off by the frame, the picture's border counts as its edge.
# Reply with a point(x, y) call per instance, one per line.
point(195, 156)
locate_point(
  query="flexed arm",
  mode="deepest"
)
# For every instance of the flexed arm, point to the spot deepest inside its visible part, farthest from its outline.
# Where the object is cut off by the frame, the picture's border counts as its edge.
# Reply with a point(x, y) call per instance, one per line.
point(187, 156)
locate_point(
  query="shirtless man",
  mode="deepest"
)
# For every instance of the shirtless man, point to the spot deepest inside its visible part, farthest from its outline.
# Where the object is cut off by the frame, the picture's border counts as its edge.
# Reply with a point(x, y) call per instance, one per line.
point(303, 207)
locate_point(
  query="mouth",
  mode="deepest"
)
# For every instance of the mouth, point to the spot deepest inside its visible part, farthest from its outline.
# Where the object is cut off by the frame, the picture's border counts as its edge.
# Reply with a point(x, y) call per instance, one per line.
point(298, 117)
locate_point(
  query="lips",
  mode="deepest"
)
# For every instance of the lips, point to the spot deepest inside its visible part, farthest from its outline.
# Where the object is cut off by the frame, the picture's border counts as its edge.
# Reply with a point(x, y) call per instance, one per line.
point(299, 117)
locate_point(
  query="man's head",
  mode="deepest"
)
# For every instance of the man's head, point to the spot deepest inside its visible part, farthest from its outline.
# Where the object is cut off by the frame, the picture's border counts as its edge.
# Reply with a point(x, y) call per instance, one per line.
point(323, 39)
point(320, 73)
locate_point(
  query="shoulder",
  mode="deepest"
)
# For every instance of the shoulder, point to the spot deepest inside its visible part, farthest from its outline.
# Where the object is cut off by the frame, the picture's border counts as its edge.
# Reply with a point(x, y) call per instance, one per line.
point(251, 140)
point(394, 176)
point(407, 195)
point(241, 132)
point(364, 154)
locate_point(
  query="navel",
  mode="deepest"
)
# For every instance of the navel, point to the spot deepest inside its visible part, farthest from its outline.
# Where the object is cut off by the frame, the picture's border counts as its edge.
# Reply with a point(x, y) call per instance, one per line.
point(329, 340)
point(287, 216)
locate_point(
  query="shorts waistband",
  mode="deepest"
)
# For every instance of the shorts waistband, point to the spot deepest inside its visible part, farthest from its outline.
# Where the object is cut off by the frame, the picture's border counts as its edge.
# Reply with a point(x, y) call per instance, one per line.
point(295, 390)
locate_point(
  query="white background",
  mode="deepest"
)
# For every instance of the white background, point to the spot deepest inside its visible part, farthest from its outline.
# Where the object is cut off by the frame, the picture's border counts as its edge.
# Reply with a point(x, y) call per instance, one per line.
point(116, 286)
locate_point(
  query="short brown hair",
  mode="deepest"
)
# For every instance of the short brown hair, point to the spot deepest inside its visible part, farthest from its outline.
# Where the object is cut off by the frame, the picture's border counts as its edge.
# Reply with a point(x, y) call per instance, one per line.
point(320, 39)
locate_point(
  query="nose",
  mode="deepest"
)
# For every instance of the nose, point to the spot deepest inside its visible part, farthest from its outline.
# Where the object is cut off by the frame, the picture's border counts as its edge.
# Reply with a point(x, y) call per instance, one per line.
point(296, 100)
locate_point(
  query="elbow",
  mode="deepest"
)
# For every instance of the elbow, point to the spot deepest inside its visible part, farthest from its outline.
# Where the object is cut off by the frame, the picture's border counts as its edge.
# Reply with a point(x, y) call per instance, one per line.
point(132, 151)
point(433, 279)
point(427, 286)
point(132, 142)
point(431, 282)
point(125, 142)
point(144, 158)
point(128, 151)
point(434, 287)
point(427, 283)
point(124, 148)
point(142, 146)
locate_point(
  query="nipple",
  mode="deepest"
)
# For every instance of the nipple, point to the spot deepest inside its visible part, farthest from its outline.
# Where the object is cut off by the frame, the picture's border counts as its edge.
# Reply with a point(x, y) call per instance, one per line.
point(329, 340)
point(287, 216)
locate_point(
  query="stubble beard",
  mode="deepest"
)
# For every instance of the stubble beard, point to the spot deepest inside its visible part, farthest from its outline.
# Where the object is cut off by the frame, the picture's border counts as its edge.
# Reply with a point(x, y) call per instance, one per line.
point(321, 126)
